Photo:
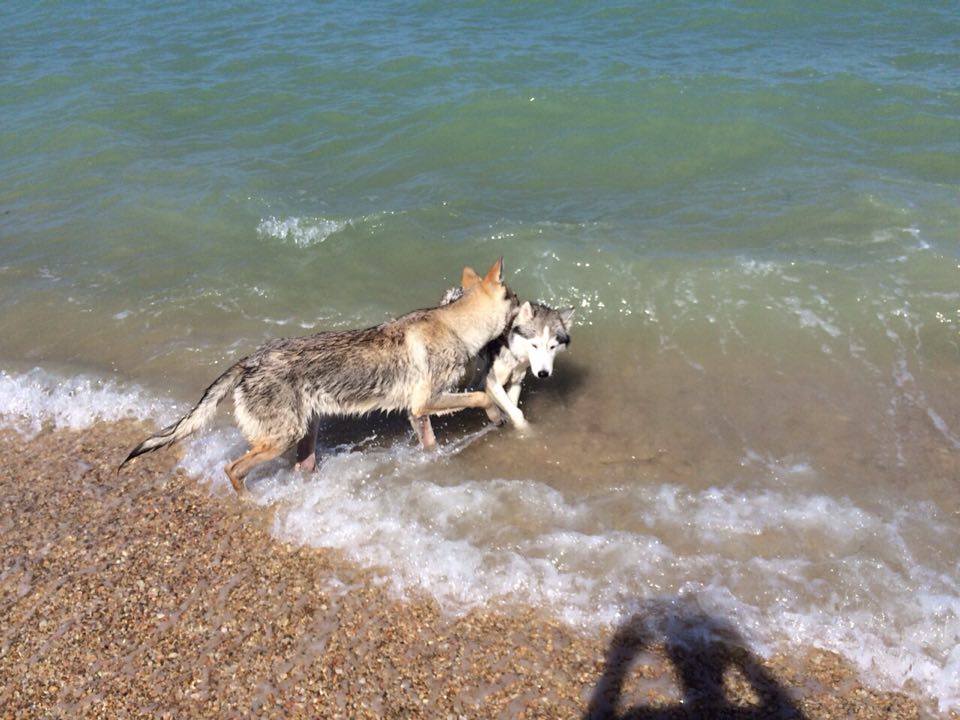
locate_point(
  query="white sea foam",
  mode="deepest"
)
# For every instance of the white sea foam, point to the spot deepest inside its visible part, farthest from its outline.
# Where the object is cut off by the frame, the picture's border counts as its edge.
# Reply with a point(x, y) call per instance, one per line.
point(783, 563)
point(762, 268)
point(808, 318)
point(303, 232)
point(29, 400)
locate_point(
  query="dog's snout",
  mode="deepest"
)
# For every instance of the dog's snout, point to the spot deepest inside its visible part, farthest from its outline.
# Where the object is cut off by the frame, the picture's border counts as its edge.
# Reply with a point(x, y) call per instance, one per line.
point(543, 374)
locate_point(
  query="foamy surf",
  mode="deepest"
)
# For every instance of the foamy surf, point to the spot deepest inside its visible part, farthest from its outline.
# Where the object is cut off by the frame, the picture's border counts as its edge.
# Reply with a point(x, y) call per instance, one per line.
point(786, 565)
point(302, 232)
point(31, 399)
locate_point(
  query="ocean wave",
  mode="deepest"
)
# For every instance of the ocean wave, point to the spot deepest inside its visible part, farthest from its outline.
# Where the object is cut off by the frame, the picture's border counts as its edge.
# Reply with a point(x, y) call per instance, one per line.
point(30, 400)
point(302, 232)
point(459, 540)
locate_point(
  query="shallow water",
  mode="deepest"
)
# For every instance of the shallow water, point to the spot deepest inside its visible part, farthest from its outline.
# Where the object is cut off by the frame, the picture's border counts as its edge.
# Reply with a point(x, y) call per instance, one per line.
point(752, 207)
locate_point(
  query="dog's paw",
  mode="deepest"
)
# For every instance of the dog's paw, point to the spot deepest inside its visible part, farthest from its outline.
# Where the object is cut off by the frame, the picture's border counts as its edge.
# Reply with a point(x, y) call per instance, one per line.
point(306, 466)
point(496, 416)
point(522, 426)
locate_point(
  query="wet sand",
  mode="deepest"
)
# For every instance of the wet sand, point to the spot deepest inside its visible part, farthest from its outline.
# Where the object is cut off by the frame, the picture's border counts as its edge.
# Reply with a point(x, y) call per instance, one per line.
point(145, 595)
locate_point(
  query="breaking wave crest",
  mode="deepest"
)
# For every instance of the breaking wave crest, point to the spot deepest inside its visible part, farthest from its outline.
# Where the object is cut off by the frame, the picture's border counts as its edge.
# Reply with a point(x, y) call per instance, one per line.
point(32, 399)
point(302, 232)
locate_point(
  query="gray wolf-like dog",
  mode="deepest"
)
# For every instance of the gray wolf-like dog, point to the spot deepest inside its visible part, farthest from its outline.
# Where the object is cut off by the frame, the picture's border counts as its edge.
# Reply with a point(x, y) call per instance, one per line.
point(410, 364)
point(532, 339)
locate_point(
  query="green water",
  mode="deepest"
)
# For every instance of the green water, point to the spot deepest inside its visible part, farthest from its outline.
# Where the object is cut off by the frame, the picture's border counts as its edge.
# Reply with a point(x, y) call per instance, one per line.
point(753, 207)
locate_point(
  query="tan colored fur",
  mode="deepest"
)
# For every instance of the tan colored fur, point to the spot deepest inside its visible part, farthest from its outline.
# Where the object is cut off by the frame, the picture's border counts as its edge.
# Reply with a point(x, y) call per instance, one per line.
point(409, 364)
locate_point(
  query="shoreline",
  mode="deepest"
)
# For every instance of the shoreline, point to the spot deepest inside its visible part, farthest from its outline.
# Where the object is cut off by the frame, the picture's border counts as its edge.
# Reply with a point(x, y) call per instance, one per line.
point(145, 594)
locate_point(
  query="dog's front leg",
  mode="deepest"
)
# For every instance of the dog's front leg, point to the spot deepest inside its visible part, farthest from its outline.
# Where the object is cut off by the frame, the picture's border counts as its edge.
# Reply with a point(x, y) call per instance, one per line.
point(496, 415)
point(506, 404)
point(442, 404)
point(513, 392)
point(307, 447)
point(424, 430)
point(448, 402)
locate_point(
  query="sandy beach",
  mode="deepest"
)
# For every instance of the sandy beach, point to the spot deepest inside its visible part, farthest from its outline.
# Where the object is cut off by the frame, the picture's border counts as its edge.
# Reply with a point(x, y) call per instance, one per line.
point(146, 595)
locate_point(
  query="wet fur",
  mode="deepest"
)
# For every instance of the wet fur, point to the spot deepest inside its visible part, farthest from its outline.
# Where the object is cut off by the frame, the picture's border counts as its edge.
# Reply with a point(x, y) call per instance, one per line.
point(409, 364)
point(503, 363)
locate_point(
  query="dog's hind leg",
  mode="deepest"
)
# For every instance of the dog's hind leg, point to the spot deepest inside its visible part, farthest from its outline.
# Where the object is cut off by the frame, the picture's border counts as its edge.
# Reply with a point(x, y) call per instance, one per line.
point(258, 453)
point(307, 447)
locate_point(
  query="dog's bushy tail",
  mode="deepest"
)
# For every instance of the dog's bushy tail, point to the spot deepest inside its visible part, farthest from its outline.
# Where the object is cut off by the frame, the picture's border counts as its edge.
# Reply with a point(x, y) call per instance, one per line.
point(193, 420)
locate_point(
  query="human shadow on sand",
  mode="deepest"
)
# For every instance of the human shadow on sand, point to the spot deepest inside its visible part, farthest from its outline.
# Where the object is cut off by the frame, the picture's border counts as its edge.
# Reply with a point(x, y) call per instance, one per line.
point(702, 650)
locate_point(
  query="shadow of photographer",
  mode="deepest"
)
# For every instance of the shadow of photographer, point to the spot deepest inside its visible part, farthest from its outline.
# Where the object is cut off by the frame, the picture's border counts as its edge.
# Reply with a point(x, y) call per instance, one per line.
point(702, 650)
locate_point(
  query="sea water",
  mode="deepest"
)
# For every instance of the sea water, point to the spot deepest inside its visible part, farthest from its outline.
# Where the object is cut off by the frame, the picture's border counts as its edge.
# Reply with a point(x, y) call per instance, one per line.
point(753, 208)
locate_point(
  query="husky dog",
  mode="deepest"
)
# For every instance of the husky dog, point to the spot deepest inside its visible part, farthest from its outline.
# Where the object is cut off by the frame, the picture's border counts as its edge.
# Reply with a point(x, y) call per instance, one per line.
point(533, 337)
point(281, 390)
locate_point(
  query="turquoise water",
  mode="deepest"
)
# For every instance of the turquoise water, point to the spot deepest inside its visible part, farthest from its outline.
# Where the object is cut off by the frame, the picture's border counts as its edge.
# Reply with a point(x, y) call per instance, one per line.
point(753, 206)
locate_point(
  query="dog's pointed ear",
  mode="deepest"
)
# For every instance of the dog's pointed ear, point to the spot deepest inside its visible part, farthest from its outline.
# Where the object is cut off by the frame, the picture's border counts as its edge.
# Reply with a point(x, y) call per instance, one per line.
point(565, 315)
point(494, 275)
point(524, 313)
point(469, 278)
